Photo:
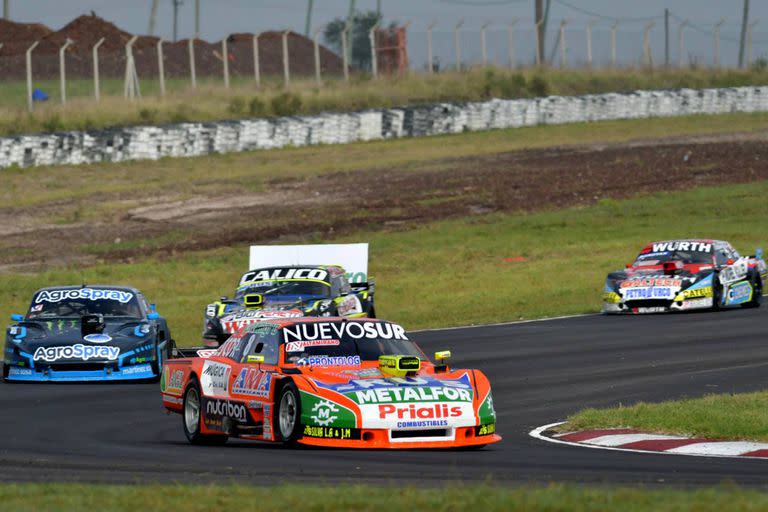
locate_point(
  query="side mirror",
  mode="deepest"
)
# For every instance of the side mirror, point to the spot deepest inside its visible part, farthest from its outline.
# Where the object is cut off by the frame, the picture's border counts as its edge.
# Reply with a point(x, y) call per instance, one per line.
point(153, 316)
point(17, 318)
point(442, 356)
point(254, 359)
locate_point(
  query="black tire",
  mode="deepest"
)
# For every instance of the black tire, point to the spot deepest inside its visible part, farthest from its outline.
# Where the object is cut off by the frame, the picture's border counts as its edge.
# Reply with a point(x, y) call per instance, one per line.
point(287, 420)
point(5, 371)
point(191, 419)
point(717, 291)
point(757, 293)
point(372, 312)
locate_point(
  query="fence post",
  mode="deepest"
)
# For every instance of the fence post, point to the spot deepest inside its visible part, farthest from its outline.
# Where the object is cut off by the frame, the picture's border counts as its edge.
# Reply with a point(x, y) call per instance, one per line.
point(63, 70)
point(192, 73)
point(589, 42)
point(374, 53)
point(161, 66)
point(318, 71)
point(132, 88)
point(256, 64)
point(614, 28)
point(286, 59)
point(483, 45)
point(749, 42)
point(457, 44)
point(96, 84)
point(511, 43)
point(647, 55)
point(681, 42)
point(538, 43)
point(225, 61)
point(563, 48)
point(30, 105)
point(717, 42)
point(430, 55)
point(345, 55)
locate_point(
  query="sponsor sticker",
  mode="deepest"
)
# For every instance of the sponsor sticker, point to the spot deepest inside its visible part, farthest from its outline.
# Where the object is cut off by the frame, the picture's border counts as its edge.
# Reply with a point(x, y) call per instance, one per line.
point(697, 303)
point(648, 293)
point(19, 372)
point(422, 424)
point(329, 361)
point(216, 409)
point(337, 330)
point(215, 378)
point(281, 274)
point(681, 246)
point(172, 381)
point(267, 423)
point(485, 430)
point(301, 346)
point(324, 412)
point(140, 368)
point(79, 351)
point(648, 282)
point(739, 293)
point(331, 432)
point(98, 338)
point(83, 293)
point(252, 382)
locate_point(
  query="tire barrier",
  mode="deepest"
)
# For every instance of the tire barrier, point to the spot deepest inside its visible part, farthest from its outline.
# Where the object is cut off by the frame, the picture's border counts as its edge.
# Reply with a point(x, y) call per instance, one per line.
point(199, 139)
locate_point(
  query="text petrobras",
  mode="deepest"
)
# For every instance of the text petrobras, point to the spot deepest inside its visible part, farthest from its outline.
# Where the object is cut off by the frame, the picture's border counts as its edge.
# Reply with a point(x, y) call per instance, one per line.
point(83, 293)
point(79, 351)
point(336, 330)
point(277, 274)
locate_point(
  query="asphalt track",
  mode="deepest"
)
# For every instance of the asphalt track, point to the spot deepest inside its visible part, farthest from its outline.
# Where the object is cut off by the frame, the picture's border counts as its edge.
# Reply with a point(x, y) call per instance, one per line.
point(540, 372)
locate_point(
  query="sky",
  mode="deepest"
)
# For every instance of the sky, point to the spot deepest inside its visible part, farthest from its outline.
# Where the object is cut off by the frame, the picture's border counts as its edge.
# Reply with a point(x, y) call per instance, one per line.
point(220, 17)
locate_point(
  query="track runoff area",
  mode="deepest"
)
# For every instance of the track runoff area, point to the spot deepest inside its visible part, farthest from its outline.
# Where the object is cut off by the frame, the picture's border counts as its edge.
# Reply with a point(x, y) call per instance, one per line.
point(541, 372)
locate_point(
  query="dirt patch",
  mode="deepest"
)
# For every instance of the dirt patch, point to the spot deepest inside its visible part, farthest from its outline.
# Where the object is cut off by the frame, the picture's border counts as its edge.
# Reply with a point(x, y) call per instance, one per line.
point(333, 204)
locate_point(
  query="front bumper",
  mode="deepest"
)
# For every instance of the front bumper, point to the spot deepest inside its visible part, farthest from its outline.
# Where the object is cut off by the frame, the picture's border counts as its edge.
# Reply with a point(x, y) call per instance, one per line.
point(649, 307)
point(459, 437)
point(135, 372)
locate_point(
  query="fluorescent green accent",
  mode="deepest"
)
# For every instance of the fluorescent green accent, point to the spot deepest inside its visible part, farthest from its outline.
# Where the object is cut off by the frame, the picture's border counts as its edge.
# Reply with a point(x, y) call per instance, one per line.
point(322, 412)
point(442, 355)
point(611, 298)
point(399, 366)
point(285, 281)
point(254, 359)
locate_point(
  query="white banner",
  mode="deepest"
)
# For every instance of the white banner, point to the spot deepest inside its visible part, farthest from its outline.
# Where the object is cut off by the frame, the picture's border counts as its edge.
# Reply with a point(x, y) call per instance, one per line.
point(353, 257)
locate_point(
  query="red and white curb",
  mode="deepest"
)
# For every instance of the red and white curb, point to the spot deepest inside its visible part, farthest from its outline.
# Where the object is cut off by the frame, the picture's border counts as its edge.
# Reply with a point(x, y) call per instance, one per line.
point(630, 440)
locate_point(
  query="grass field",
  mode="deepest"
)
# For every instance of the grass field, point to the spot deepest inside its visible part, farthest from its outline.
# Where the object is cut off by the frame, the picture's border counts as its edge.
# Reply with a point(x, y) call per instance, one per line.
point(733, 416)
point(455, 272)
point(211, 101)
point(489, 498)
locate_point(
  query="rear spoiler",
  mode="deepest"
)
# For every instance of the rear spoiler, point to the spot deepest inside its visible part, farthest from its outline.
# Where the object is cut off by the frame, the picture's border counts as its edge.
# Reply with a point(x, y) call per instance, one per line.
point(203, 352)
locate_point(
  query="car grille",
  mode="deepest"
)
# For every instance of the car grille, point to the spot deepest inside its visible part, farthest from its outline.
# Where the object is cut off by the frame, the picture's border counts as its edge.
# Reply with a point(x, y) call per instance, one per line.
point(433, 432)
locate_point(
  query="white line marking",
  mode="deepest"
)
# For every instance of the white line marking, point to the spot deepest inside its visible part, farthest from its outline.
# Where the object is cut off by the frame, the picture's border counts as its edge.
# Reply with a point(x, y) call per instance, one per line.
point(620, 439)
point(538, 433)
point(724, 448)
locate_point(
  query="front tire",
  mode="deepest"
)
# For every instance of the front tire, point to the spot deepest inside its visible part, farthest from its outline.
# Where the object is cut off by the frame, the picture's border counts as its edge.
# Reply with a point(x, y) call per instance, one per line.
point(191, 418)
point(757, 293)
point(288, 414)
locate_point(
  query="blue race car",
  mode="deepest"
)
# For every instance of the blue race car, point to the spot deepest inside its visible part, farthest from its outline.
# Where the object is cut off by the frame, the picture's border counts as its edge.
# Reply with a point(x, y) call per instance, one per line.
point(87, 333)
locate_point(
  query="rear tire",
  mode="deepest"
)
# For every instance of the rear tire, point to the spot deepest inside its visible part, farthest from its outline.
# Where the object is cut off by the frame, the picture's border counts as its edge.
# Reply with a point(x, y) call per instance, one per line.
point(191, 418)
point(288, 414)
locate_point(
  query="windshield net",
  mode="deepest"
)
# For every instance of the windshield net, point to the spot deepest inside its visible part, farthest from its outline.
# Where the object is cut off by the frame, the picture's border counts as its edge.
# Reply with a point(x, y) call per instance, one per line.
point(345, 343)
point(74, 303)
point(685, 252)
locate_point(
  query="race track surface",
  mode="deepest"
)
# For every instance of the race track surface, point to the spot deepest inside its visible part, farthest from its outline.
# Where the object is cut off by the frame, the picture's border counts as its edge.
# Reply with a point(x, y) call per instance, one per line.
point(540, 372)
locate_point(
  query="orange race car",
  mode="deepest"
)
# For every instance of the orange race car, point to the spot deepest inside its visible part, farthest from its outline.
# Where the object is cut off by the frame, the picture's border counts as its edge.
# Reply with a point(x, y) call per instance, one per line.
point(352, 383)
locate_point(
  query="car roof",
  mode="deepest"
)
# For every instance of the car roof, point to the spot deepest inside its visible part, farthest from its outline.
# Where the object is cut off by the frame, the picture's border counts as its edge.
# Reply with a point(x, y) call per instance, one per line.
point(98, 286)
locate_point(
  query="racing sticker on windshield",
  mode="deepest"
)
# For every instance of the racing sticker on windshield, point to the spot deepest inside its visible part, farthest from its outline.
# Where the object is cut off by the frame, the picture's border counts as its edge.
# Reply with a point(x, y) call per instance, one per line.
point(679, 246)
point(83, 293)
point(337, 330)
point(651, 281)
point(277, 274)
point(301, 346)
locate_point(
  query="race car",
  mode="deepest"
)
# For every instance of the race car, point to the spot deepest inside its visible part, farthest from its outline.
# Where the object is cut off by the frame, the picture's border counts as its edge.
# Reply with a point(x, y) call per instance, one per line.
point(333, 382)
point(681, 275)
point(288, 292)
point(87, 333)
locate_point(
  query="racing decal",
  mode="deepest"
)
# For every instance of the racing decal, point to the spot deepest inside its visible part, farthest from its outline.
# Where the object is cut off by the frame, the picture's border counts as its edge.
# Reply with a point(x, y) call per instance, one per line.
point(277, 274)
point(648, 293)
point(486, 411)
point(680, 246)
point(651, 281)
point(267, 423)
point(321, 412)
point(331, 432)
point(19, 372)
point(698, 303)
point(412, 394)
point(739, 293)
point(252, 382)
point(735, 272)
point(205, 353)
point(301, 346)
point(485, 430)
point(133, 370)
point(83, 293)
point(171, 381)
point(337, 330)
point(230, 347)
point(259, 316)
point(266, 314)
point(215, 378)
point(350, 305)
point(98, 338)
point(215, 410)
point(322, 360)
point(696, 293)
point(177, 400)
point(79, 351)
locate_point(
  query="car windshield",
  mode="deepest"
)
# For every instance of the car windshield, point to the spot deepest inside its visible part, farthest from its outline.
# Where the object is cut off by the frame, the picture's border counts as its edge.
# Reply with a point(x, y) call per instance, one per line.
point(294, 288)
point(74, 303)
point(343, 343)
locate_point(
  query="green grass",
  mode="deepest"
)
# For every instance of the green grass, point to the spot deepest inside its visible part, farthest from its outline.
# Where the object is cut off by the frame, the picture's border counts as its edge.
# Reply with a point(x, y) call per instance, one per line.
point(453, 272)
point(211, 101)
point(312, 498)
point(732, 416)
point(239, 173)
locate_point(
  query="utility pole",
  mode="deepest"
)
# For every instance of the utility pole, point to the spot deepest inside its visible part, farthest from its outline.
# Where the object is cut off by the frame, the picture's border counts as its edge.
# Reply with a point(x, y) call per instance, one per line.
point(350, 30)
point(308, 24)
point(7, 9)
point(666, 38)
point(742, 40)
point(176, 4)
point(539, 20)
point(378, 9)
point(197, 19)
point(152, 17)
point(717, 42)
